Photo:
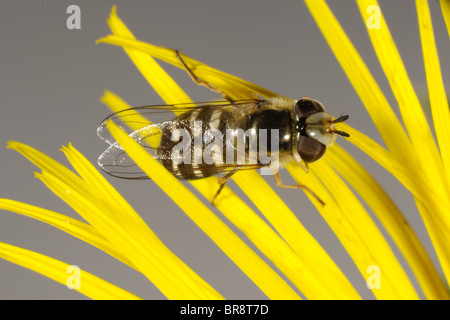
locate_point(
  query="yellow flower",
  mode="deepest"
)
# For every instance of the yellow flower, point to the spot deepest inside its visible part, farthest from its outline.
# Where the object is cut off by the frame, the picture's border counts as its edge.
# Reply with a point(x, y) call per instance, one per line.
point(412, 157)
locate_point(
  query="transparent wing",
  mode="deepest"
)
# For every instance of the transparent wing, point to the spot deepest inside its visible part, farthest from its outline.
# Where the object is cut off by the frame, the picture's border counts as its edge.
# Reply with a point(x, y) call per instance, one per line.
point(147, 124)
point(115, 161)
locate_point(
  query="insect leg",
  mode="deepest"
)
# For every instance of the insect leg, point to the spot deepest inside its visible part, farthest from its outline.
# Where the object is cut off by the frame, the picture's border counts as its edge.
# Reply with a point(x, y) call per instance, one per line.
point(304, 166)
point(222, 182)
point(201, 82)
point(298, 186)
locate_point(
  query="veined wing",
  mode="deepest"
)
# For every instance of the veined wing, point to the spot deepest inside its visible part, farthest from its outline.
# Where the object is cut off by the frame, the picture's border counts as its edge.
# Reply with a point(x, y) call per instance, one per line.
point(147, 124)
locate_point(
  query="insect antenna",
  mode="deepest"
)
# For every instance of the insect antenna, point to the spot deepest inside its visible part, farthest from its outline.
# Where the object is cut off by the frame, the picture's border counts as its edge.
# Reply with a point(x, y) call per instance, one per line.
point(340, 119)
point(341, 133)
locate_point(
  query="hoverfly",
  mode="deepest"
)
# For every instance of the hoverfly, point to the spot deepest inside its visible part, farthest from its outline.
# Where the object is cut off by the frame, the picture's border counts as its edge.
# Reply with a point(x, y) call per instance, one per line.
point(229, 130)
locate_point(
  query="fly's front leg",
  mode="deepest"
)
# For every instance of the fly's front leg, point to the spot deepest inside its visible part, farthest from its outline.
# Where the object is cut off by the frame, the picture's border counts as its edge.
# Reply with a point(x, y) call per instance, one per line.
point(222, 182)
point(304, 166)
point(201, 82)
point(298, 186)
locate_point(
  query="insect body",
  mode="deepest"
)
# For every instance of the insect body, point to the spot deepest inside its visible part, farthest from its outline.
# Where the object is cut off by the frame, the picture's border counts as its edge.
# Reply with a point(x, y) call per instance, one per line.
point(206, 139)
point(302, 131)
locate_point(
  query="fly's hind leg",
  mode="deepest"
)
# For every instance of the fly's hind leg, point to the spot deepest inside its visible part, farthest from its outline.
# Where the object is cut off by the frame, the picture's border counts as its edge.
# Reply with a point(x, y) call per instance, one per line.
point(222, 181)
point(298, 186)
point(201, 82)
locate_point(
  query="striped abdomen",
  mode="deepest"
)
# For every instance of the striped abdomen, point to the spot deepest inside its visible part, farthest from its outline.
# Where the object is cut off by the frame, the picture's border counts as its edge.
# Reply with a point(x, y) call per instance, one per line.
point(199, 124)
point(202, 124)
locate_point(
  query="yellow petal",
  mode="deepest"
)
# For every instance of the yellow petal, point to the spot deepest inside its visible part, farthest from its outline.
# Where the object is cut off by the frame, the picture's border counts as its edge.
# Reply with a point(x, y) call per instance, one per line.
point(298, 267)
point(234, 86)
point(74, 227)
point(243, 256)
point(436, 90)
point(392, 219)
point(428, 160)
point(97, 202)
point(355, 230)
point(361, 79)
point(412, 114)
point(412, 160)
point(445, 7)
point(90, 285)
point(299, 239)
point(420, 187)
point(147, 66)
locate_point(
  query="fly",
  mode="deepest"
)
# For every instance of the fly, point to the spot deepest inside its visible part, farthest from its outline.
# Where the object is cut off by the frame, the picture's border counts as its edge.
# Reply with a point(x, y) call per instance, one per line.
point(211, 138)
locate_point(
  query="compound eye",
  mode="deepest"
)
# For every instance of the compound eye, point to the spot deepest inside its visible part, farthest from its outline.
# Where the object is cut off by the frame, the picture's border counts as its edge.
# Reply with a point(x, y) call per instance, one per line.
point(310, 150)
point(305, 107)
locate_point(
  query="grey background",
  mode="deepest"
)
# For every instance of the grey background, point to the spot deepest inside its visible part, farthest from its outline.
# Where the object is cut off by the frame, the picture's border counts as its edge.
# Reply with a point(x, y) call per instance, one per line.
point(51, 79)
